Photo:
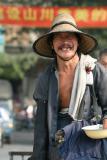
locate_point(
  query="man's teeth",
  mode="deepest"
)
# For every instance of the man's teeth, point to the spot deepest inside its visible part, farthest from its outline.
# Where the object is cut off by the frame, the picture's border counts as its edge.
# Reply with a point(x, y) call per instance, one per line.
point(66, 49)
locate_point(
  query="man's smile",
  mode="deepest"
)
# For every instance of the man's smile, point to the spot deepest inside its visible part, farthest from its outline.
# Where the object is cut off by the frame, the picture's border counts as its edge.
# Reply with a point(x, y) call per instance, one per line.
point(65, 47)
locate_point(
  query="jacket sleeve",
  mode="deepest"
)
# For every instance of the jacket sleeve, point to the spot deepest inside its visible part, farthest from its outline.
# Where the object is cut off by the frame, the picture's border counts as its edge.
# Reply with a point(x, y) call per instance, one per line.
point(100, 84)
point(40, 146)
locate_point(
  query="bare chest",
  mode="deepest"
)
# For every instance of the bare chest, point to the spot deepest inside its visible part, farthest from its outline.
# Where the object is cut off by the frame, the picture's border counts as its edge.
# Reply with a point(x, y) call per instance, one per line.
point(65, 88)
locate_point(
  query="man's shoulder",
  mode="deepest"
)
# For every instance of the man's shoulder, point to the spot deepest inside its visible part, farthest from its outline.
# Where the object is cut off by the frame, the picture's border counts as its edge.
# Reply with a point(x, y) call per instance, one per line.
point(44, 76)
point(42, 84)
point(47, 70)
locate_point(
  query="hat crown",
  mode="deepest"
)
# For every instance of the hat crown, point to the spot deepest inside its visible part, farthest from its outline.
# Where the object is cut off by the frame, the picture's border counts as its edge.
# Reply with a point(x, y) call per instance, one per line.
point(64, 17)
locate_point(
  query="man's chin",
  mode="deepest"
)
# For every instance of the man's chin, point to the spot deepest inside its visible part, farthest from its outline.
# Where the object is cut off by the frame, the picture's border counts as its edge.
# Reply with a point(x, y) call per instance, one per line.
point(66, 58)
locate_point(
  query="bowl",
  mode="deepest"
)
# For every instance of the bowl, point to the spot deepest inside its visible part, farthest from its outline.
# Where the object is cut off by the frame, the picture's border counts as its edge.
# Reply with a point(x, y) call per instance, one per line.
point(95, 131)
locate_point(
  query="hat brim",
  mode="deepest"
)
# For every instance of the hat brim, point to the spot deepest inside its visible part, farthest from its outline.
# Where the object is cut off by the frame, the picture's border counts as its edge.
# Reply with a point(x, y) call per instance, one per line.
point(95, 131)
point(87, 43)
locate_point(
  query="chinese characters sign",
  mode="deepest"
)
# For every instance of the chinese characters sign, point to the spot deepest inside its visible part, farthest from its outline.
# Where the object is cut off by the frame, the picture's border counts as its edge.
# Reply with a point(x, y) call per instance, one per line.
point(42, 16)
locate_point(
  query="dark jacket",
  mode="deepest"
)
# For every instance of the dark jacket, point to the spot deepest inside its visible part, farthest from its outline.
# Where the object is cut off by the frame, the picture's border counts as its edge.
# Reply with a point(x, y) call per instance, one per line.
point(46, 96)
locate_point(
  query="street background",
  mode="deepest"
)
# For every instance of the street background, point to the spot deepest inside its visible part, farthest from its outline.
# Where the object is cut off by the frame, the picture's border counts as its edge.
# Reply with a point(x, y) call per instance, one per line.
point(21, 23)
point(21, 141)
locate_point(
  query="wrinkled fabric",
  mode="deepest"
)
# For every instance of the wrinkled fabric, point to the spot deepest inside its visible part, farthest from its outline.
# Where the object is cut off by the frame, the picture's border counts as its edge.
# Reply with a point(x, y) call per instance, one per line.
point(63, 120)
point(78, 146)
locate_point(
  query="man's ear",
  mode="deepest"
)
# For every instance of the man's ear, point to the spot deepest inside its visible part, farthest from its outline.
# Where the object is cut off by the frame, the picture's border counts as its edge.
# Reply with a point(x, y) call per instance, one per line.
point(77, 46)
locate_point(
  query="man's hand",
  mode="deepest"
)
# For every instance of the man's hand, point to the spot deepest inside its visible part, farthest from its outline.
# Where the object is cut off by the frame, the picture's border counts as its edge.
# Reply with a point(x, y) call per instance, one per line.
point(105, 123)
point(59, 137)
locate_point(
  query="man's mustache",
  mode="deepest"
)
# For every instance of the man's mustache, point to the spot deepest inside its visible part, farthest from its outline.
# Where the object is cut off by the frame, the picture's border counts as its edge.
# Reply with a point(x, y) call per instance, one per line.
point(65, 45)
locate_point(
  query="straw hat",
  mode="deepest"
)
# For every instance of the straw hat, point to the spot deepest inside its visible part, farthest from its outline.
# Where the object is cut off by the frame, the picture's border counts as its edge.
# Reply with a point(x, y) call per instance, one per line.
point(95, 131)
point(64, 23)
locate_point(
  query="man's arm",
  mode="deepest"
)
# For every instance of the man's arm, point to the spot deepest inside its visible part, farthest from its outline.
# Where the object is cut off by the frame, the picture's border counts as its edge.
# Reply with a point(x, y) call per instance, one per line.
point(40, 147)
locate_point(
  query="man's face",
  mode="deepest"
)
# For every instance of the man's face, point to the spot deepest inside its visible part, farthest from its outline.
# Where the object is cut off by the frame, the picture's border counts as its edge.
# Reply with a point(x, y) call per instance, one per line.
point(65, 45)
point(103, 61)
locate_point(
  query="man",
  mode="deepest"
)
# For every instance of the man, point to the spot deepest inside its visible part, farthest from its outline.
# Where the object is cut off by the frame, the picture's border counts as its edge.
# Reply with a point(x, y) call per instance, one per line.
point(103, 57)
point(64, 91)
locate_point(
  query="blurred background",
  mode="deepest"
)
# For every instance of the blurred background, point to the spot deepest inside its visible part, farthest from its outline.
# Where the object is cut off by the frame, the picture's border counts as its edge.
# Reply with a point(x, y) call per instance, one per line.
point(21, 23)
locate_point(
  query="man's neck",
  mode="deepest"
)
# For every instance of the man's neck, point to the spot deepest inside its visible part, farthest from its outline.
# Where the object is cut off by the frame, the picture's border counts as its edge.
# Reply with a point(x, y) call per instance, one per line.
point(65, 66)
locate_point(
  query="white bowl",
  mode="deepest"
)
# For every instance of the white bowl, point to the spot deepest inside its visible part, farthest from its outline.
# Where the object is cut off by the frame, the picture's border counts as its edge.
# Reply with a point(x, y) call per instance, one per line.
point(95, 131)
